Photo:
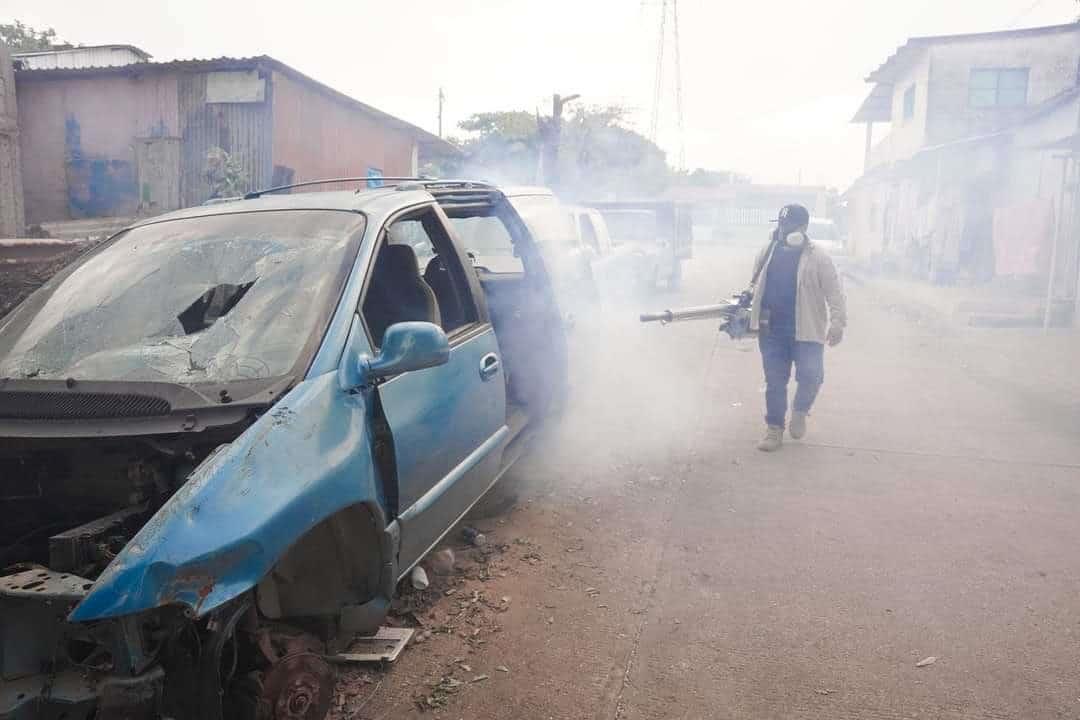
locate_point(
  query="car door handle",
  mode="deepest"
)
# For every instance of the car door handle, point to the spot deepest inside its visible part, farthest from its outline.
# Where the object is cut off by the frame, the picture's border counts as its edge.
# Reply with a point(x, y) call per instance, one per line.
point(489, 366)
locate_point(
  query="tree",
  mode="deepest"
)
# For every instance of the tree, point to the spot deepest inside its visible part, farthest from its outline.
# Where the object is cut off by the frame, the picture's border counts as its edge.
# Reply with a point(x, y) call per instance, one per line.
point(598, 155)
point(23, 38)
point(504, 145)
point(602, 156)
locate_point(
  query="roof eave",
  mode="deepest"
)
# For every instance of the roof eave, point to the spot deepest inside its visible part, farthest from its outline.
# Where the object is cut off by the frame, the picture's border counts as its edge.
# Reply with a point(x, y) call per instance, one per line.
point(422, 136)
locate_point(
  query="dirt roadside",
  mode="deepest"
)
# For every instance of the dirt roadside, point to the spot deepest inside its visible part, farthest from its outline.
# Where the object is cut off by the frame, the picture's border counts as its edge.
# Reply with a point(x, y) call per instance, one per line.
point(646, 562)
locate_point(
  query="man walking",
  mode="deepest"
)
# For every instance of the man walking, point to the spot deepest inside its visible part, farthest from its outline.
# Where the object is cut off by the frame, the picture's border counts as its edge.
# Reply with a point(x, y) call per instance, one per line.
point(798, 306)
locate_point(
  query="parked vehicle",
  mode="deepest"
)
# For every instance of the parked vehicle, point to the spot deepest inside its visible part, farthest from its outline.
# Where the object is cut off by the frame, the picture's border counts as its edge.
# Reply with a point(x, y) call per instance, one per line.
point(612, 270)
point(569, 262)
point(229, 431)
point(659, 234)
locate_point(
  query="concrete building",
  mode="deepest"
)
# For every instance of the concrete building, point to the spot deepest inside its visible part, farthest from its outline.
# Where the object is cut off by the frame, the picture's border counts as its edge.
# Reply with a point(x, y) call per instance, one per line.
point(968, 184)
point(11, 193)
point(143, 137)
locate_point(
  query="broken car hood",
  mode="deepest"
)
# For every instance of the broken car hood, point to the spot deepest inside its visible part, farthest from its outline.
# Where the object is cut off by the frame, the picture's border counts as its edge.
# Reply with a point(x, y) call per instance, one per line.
point(244, 506)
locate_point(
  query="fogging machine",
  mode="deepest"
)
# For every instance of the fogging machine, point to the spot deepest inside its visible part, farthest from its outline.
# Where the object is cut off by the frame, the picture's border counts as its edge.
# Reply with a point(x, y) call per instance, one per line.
point(734, 315)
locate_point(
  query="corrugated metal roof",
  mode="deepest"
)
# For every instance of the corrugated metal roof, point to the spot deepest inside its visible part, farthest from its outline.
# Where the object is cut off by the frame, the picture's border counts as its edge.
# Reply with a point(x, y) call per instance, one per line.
point(80, 57)
point(130, 48)
point(246, 63)
point(877, 107)
point(904, 54)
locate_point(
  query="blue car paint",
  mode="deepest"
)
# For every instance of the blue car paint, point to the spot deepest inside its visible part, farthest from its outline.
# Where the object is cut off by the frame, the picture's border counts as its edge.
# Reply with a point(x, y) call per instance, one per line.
point(245, 506)
point(329, 356)
point(242, 508)
point(439, 417)
point(309, 458)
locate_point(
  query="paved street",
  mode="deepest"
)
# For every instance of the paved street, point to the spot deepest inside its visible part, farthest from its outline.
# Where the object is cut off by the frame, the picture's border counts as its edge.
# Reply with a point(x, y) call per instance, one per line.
point(647, 562)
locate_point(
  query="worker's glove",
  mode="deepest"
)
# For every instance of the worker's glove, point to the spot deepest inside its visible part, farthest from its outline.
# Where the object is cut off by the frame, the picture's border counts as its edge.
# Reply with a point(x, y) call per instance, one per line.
point(836, 334)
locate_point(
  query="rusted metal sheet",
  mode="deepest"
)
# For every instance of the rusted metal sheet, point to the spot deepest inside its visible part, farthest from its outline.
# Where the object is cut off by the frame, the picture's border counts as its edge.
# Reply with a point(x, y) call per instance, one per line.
point(83, 57)
point(157, 163)
point(83, 130)
point(241, 129)
point(11, 193)
point(320, 135)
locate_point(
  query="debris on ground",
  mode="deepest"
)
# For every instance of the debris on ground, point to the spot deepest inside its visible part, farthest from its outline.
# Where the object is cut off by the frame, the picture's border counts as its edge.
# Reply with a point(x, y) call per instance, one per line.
point(926, 661)
point(419, 579)
point(384, 646)
point(474, 537)
point(450, 607)
point(440, 693)
point(442, 562)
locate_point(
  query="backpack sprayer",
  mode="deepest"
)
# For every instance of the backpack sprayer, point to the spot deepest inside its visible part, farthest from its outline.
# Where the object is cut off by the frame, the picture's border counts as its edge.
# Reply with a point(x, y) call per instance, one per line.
point(734, 315)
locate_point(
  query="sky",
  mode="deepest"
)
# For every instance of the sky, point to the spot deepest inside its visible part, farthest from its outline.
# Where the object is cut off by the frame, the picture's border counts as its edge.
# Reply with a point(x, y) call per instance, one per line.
point(769, 87)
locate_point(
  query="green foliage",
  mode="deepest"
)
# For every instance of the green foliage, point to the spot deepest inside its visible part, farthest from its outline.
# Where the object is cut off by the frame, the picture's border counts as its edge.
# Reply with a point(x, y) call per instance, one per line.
point(513, 125)
point(225, 174)
point(23, 38)
point(599, 154)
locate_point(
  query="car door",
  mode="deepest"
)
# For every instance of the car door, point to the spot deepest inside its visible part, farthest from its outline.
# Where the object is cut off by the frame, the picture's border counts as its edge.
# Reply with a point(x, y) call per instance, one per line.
point(605, 269)
point(447, 423)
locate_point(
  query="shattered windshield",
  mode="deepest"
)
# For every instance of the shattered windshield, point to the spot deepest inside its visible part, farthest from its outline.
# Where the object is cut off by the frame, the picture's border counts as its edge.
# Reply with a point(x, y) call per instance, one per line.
point(198, 300)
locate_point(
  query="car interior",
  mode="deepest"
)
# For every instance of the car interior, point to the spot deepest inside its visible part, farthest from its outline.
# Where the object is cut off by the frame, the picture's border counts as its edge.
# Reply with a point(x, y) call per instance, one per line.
point(419, 276)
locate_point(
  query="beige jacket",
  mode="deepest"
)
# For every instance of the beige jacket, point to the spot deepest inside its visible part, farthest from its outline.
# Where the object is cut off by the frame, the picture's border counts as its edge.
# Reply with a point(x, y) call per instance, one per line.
point(819, 300)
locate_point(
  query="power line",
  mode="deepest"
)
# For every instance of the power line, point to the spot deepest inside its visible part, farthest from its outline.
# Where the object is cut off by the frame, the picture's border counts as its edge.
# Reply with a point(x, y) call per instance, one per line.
point(678, 84)
point(658, 80)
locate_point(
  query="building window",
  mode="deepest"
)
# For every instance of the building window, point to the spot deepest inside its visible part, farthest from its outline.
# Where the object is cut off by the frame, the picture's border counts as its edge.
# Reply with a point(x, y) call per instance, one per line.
point(1001, 87)
point(375, 177)
point(909, 103)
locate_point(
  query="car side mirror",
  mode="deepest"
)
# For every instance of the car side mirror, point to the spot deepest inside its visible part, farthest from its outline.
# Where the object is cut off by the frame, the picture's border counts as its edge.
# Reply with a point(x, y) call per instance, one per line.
point(408, 346)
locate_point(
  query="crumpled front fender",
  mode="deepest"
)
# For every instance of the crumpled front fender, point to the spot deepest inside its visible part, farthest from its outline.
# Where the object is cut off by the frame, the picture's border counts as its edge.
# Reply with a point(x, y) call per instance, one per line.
point(216, 537)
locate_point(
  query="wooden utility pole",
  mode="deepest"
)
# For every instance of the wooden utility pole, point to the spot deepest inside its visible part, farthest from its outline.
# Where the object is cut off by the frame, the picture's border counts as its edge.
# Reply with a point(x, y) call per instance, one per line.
point(442, 101)
point(551, 136)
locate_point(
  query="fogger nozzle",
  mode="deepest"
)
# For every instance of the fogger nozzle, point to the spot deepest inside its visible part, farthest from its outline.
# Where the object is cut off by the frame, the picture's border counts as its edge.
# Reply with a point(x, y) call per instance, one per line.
point(734, 315)
point(701, 312)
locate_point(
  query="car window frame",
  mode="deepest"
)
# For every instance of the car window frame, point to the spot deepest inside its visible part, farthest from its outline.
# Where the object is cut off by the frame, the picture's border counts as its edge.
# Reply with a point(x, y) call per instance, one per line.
point(590, 239)
point(459, 335)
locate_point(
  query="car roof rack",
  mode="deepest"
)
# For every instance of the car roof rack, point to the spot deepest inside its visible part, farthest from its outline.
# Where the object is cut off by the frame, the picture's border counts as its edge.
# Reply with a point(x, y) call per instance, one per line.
point(328, 181)
point(402, 183)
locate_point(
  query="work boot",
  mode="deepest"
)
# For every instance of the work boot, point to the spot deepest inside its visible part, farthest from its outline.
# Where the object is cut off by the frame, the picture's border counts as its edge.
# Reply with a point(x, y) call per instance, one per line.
point(773, 440)
point(797, 428)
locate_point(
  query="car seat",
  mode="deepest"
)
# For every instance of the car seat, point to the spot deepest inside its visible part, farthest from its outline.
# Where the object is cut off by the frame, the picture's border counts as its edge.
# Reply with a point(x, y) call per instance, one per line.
point(437, 276)
point(398, 293)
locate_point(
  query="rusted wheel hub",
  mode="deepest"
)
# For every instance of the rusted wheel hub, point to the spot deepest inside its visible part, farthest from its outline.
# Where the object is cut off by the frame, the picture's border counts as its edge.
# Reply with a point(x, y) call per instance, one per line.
point(296, 688)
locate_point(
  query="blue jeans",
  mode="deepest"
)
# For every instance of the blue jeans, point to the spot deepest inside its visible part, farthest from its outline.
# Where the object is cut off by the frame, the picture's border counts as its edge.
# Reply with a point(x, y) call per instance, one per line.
point(777, 355)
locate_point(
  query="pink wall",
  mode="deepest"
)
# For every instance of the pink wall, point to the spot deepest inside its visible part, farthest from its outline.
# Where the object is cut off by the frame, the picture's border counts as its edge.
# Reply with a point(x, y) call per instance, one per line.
point(320, 137)
point(110, 112)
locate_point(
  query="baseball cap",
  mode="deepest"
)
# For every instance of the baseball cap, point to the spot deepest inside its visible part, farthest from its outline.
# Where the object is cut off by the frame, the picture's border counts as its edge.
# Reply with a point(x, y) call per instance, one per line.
point(793, 215)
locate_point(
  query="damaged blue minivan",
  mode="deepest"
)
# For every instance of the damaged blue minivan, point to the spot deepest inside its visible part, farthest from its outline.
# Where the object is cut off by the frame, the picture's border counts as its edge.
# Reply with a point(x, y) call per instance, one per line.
point(228, 432)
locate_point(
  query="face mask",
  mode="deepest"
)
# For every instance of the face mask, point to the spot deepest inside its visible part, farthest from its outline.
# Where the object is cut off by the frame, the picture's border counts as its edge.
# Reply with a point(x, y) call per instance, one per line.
point(795, 239)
